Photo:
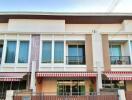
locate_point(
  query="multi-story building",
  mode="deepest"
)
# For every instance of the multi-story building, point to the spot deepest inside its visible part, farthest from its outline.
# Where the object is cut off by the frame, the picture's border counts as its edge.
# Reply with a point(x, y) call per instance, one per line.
point(65, 53)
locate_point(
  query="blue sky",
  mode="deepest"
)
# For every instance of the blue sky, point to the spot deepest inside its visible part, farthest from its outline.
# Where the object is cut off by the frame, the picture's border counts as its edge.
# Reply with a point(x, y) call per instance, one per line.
point(66, 5)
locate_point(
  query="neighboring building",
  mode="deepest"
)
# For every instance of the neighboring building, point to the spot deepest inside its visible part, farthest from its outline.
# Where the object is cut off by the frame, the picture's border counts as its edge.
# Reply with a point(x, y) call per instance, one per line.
point(63, 54)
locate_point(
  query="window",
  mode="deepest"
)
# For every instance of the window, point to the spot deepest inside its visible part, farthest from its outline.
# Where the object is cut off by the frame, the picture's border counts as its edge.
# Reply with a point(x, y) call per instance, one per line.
point(70, 87)
point(23, 52)
point(113, 84)
point(59, 52)
point(115, 50)
point(46, 51)
point(76, 54)
point(1, 49)
point(10, 52)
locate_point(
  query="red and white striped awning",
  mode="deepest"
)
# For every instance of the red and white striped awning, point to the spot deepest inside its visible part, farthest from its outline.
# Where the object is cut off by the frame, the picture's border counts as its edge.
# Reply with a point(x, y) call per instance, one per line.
point(10, 76)
point(66, 74)
point(119, 75)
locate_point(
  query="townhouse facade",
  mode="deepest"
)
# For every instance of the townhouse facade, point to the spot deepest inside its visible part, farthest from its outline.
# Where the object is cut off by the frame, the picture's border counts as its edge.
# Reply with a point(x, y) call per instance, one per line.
point(65, 54)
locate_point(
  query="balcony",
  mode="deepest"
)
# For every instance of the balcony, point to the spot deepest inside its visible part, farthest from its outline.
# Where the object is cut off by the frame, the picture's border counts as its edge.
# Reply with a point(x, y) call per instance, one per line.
point(75, 60)
point(120, 60)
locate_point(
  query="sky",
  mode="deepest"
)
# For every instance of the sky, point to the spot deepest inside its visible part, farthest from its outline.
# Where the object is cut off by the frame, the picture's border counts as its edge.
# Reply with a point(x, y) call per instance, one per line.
point(124, 6)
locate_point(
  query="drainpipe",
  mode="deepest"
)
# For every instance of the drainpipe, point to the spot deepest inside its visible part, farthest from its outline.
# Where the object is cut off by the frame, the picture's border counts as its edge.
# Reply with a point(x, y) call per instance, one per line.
point(33, 80)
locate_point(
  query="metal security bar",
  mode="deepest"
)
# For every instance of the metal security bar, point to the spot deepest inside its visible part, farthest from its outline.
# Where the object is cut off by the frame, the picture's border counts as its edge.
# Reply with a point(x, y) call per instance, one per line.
point(120, 60)
point(77, 60)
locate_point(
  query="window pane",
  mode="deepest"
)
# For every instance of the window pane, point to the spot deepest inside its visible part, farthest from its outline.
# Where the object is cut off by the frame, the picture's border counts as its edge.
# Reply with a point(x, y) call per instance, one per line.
point(10, 52)
point(59, 52)
point(72, 87)
point(23, 52)
point(46, 52)
point(72, 50)
point(115, 50)
point(76, 54)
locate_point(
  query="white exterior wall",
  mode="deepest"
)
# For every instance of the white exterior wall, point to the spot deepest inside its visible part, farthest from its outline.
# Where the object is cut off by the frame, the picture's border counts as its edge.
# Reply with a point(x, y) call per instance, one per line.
point(127, 25)
point(97, 51)
point(32, 25)
point(90, 27)
point(3, 26)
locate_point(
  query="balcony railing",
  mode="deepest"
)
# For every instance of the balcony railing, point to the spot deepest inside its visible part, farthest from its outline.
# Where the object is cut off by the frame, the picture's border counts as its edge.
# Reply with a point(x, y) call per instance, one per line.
point(75, 60)
point(120, 60)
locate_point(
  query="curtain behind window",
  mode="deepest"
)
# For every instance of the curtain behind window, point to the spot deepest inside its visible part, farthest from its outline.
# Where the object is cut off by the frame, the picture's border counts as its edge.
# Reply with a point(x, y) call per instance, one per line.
point(10, 52)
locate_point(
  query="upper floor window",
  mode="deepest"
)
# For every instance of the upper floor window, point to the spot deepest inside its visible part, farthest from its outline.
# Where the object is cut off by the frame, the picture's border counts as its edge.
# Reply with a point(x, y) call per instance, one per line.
point(115, 50)
point(10, 52)
point(46, 51)
point(116, 55)
point(59, 52)
point(1, 49)
point(76, 54)
point(23, 52)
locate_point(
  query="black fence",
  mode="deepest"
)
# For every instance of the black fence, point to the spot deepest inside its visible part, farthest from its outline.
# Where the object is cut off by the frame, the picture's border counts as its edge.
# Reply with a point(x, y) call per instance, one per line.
point(122, 60)
point(75, 60)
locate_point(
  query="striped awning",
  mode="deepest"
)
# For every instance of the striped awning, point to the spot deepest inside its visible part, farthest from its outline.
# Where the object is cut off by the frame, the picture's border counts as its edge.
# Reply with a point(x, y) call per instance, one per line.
point(119, 75)
point(65, 74)
point(10, 76)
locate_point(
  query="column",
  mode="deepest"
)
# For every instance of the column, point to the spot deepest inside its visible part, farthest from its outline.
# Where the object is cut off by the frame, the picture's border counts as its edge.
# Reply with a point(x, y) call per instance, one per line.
point(98, 57)
point(33, 80)
point(89, 52)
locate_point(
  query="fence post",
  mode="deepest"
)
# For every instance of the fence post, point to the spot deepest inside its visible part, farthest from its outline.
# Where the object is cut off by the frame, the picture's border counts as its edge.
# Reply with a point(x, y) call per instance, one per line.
point(121, 94)
point(9, 95)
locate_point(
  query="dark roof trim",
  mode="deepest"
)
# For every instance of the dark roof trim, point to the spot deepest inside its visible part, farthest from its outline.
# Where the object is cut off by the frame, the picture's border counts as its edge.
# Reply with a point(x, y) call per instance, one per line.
point(111, 19)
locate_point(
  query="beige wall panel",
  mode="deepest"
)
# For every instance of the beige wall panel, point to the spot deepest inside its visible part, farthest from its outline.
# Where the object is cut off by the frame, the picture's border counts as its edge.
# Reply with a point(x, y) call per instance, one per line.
point(88, 52)
point(129, 85)
point(106, 57)
point(49, 86)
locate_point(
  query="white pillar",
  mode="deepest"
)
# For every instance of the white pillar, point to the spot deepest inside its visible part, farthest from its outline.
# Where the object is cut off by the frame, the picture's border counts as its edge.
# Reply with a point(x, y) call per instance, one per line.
point(121, 94)
point(98, 57)
point(33, 81)
point(9, 95)
point(99, 78)
point(97, 49)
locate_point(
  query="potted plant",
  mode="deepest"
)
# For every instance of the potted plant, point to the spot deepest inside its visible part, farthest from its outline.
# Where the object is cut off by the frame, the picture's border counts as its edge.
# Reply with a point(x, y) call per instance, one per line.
point(91, 87)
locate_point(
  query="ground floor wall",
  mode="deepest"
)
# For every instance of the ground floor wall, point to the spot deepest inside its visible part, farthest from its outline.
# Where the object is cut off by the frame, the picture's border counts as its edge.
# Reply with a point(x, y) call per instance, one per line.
point(47, 86)
point(129, 85)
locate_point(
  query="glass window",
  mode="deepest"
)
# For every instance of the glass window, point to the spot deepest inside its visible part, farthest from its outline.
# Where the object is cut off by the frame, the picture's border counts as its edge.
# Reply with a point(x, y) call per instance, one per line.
point(10, 52)
point(115, 50)
point(59, 52)
point(115, 53)
point(71, 87)
point(76, 54)
point(46, 51)
point(114, 84)
point(23, 52)
point(1, 49)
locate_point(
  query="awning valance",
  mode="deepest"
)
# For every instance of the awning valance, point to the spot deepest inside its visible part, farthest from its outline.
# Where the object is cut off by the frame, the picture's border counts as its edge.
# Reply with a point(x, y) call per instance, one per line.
point(119, 75)
point(65, 74)
point(11, 76)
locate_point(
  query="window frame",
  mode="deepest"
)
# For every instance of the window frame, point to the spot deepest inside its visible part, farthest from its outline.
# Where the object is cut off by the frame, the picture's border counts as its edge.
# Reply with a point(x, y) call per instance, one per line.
point(27, 51)
point(50, 52)
point(14, 52)
point(54, 51)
